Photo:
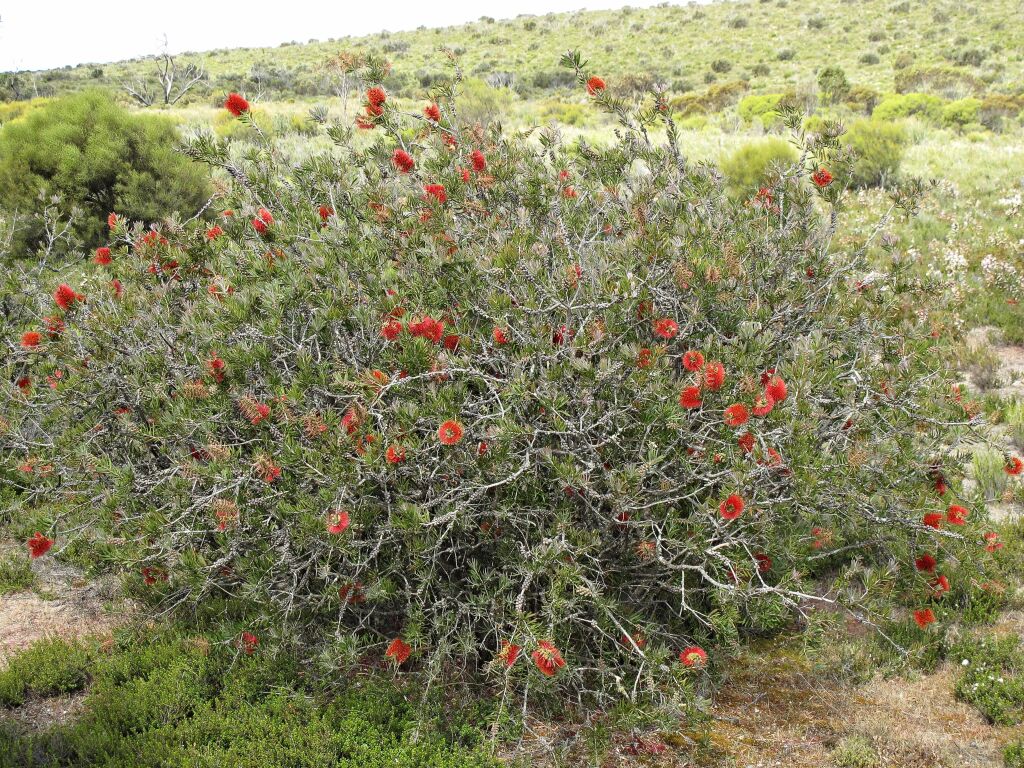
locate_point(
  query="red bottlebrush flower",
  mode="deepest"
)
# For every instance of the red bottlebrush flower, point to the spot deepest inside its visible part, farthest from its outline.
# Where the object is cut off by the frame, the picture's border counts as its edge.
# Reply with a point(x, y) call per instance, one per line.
point(102, 256)
point(693, 360)
point(694, 656)
point(939, 585)
point(924, 617)
point(118, 288)
point(499, 336)
point(821, 178)
point(403, 161)
point(479, 161)
point(690, 398)
point(940, 485)
point(260, 226)
point(376, 96)
point(111, 220)
point(325, 212)
point(151, 576)
point(54, 326)
point(236, 104)
point(449, 433)
point(350, 421)
point(30, 339)
point(24, 384)
point(764, 563)
point(956, 515)
point(666, 327)
point(776, 387)
point(482, 448)
point(763, 404)
point(925, 563)
point(644, 358)
point(595, 85)
point(736, 415)
point(509, 653)
point(992, 542)
point(746, 442)
point(249, 643)
point(636, 639)
point(337, 521)
point(391, 329)
point(433, 112)
point(428, 328)
point(38, 545)
point(569, 192)
point(1014, 466)
point(436, 191)
point(217, 368)
point(548, 658)
point(451, 342)
point(398, 651)
point(267, 469)
point(66, 297)
point(932, 520)
point(714, 375)
point(395, 454)
point(265, 216)
point(562, 334)
point(732, 507)
point(214, 232)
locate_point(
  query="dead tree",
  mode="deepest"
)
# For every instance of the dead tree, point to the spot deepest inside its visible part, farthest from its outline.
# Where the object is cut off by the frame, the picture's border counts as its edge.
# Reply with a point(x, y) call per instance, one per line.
point(169, 83)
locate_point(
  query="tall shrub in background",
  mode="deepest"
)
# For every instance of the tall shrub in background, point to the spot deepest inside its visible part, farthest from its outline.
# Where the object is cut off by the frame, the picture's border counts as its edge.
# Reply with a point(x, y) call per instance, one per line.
point(473, 405)
point(95, 156)
point(877, 147)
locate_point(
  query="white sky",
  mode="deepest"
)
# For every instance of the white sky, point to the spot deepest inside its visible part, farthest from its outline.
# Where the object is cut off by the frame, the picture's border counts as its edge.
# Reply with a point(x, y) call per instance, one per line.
point(39, 34)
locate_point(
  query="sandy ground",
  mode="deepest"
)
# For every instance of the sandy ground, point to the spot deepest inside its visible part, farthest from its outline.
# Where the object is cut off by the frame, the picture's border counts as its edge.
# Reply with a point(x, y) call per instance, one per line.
point(62, 603)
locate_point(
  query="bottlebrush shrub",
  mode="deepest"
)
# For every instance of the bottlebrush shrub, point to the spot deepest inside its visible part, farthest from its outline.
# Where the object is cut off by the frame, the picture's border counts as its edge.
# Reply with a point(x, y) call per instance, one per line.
point(501, 407)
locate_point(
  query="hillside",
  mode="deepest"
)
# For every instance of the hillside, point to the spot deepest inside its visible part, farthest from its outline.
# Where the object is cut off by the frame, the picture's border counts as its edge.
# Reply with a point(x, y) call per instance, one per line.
point(978, 45)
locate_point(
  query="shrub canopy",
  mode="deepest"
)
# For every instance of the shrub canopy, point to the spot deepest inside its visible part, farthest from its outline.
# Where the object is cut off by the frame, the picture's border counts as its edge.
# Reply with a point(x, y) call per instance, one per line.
point(468, 402)
point(96, 156)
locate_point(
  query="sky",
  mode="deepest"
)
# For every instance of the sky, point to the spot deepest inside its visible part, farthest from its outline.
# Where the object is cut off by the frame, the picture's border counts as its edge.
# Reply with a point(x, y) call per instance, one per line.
point(41, 34)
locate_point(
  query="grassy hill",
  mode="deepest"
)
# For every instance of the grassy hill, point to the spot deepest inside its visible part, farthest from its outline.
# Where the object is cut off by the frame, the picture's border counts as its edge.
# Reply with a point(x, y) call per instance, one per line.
point(977, 46)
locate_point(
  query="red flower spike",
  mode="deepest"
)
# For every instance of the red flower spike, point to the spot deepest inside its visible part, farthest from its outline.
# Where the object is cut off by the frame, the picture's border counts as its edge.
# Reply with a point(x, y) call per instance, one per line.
point(690, 398)
point(821, 178)
point(236, 104)
point(666, 327)
point(956, 515)
point(337, 522)
point(925, 563)
point(736, 415)
point(449, 433)
point(548, 658)
point(403, 161)
point(732, 507)
point(694, 656)
point(398, 651)
point(509, 653)
point(693, 360)
point(714, 375)
point(248, 642)
point(924, 617)
point(38, 545)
